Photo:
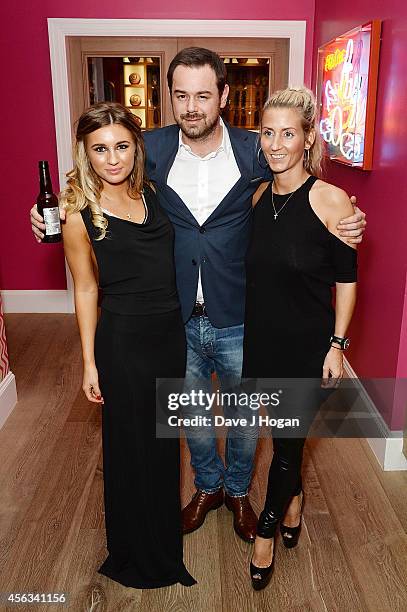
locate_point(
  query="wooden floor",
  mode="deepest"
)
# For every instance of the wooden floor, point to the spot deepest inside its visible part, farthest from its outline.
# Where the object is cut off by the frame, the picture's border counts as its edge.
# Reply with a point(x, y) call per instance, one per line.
point(352, 555)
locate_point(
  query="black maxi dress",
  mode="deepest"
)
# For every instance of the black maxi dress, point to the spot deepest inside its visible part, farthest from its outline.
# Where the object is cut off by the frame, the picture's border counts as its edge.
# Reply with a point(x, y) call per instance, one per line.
point(140, 336)
point(292, 264)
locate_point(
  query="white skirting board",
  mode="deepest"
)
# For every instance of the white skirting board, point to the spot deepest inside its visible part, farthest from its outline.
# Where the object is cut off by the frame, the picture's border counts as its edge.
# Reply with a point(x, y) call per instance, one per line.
point(388, 450)
point(37, 301)
point(8, 397)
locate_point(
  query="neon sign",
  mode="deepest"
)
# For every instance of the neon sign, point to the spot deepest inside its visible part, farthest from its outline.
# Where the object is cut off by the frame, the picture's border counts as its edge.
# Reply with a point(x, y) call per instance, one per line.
point(334, 59)
point(347, 83)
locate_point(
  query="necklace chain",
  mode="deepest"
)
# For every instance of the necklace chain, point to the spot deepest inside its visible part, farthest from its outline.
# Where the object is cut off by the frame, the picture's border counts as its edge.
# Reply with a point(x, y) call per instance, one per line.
point(289, 197)
point(128, 214)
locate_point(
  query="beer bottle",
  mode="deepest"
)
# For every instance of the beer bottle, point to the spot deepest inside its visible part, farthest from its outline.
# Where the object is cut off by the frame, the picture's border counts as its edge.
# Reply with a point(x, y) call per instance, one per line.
point(47, 205)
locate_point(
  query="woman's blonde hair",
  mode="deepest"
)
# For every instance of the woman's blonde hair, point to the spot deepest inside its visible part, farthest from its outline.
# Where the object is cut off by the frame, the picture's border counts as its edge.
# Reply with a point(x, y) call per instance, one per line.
point(303, 100)
point(84, 186)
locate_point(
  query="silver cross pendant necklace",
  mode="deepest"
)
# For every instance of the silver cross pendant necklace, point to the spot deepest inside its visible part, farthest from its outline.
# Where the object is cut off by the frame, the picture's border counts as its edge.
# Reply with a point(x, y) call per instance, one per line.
point(276, 213)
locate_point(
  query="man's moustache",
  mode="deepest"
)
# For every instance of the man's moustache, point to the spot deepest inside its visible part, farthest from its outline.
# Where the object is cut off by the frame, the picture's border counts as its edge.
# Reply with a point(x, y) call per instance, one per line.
point(193, 116)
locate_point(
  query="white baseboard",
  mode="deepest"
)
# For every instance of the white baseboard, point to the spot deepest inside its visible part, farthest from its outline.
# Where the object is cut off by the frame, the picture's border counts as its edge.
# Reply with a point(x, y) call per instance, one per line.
point(389, 453)
point(36, 301)
point(388, 449)
point(8, 397)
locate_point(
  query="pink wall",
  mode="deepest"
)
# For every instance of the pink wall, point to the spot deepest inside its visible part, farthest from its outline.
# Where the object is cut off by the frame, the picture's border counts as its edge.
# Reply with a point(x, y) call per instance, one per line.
point(382, 193)
point(27, 98)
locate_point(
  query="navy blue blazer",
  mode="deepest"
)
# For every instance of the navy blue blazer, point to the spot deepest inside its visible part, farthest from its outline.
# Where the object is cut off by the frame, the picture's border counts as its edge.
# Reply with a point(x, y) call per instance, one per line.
point(219, 245)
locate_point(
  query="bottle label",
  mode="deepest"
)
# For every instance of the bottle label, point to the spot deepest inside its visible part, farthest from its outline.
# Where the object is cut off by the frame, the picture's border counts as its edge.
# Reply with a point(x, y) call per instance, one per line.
point(51, 220)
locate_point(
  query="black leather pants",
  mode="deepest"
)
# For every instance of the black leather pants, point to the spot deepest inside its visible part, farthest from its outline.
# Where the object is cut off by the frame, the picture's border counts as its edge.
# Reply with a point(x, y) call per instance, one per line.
point(284, 481)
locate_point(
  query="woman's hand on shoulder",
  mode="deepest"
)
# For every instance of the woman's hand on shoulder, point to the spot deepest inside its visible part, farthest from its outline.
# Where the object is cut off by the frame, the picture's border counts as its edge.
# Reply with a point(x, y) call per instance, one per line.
point(90, 384)
point(332, 205)
point(332, 370)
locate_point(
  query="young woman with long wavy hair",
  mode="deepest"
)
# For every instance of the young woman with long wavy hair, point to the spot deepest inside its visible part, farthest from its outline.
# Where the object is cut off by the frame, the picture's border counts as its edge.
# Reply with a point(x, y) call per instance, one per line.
point(117, 238)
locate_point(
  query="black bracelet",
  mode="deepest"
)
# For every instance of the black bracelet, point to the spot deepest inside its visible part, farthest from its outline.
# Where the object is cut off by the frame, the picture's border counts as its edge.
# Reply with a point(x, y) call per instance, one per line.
point(337, 347)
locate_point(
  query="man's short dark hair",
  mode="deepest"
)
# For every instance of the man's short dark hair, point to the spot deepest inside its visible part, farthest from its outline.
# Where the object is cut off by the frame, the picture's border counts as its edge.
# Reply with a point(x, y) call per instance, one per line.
point(197, 57)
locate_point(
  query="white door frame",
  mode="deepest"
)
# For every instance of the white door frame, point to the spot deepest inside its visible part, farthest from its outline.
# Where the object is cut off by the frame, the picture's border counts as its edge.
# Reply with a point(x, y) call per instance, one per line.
point(59, 29)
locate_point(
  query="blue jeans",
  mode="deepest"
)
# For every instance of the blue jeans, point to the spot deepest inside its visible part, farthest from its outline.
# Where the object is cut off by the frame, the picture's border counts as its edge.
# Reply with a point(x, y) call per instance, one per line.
point(219, 350)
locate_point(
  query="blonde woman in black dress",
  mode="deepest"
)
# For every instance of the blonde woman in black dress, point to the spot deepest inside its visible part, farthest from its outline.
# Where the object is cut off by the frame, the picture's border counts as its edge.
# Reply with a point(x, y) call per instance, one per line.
point(116, 237)
point(292, 329)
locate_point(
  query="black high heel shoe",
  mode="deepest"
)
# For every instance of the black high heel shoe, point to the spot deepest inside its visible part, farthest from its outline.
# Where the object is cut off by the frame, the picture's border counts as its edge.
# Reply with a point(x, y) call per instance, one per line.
point(266, 528)
point(261, 576)
point(290, 535)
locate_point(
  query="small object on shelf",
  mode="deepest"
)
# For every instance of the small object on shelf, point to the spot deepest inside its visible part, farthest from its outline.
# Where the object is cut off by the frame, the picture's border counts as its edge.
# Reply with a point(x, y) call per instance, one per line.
point(154, 97)
point(109, 91)
point(144, 99)
point(249, 84)
point(134, 60)
point(135, 100)
point(155, 100)
point(134, 78)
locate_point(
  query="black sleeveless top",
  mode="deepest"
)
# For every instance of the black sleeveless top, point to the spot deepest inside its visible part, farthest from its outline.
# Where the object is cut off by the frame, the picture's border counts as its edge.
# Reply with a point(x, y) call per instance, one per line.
point(136, 261)
point(292, 263)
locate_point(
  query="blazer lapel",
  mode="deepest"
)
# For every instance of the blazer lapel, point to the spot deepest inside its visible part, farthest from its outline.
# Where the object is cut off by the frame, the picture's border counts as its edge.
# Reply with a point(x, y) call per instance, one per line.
point(165, 160)
point(166, 154)
point(244, 153)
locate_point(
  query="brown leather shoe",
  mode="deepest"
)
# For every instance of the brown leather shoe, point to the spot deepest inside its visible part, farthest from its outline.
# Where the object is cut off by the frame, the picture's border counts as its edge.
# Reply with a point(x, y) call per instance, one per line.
point(194, 514)
point(245, 520)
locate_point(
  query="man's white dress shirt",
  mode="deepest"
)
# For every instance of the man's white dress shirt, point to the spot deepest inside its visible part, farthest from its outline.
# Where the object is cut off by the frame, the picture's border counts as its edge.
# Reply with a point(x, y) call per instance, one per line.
point(203, 182)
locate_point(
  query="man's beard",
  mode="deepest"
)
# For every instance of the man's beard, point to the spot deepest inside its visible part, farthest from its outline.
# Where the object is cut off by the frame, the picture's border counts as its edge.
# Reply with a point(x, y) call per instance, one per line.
point(199, 131)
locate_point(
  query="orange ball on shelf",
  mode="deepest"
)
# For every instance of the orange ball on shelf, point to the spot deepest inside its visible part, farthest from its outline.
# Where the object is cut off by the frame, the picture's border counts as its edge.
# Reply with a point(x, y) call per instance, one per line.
point(135, 100)
point(134, 78)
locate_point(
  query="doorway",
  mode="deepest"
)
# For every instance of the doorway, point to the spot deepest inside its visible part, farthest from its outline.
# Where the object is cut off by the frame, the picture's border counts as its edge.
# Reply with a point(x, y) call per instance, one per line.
point(132, 71)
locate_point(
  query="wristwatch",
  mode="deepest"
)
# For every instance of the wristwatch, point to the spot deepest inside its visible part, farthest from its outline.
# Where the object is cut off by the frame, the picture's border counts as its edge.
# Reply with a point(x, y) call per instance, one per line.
point(343, 342)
